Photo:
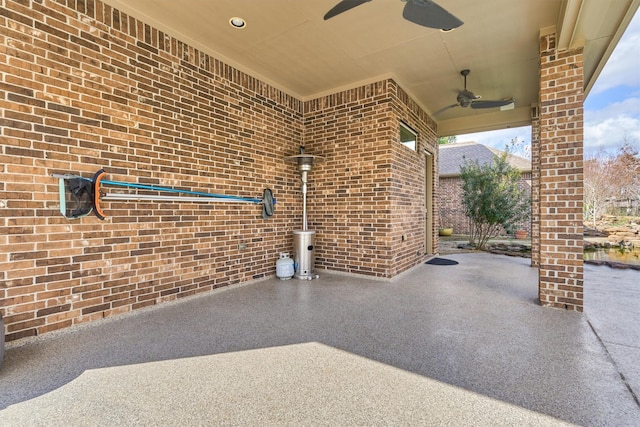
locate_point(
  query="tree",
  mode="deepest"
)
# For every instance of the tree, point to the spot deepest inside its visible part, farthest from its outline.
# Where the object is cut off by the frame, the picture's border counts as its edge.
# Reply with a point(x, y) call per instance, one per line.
point(626, 170)
point(598, 186)
point(609, 178)
point(519, 147)
point(492, 198)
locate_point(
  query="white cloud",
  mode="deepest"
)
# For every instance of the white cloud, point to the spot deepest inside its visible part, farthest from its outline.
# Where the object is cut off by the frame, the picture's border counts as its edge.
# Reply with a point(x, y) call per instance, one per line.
point(628, 107)
point(623, 65)
point(609, 127)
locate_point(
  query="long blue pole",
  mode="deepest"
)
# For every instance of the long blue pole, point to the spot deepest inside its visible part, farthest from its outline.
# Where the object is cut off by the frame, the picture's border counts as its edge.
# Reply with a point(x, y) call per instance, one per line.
point(168, 189)
point(177, 190)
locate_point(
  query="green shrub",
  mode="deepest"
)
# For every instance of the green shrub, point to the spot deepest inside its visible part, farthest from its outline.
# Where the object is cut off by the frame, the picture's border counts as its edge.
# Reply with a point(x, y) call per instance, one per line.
point(493, 198)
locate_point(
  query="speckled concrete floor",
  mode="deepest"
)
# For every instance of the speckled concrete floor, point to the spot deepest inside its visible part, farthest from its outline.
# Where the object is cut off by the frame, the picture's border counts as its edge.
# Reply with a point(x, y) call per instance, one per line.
point(439, 345)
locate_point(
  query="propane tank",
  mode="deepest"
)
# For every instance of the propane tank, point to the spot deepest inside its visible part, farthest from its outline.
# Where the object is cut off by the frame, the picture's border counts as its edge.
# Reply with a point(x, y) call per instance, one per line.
point(284, 267)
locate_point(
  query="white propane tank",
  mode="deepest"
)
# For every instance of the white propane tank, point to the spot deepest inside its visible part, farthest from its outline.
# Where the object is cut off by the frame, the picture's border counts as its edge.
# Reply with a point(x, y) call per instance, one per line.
point(284, 267)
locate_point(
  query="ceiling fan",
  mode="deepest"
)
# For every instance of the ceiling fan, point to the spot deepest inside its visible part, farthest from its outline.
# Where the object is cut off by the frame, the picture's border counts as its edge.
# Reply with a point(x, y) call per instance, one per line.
point(422, 12)
point(466, 98)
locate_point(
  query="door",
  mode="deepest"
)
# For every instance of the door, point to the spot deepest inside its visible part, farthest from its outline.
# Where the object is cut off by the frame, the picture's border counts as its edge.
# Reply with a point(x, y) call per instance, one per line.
point(428, 191)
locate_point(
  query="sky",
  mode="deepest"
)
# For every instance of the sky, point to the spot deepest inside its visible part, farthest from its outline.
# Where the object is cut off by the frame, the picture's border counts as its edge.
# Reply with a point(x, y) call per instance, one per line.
point(611, 110)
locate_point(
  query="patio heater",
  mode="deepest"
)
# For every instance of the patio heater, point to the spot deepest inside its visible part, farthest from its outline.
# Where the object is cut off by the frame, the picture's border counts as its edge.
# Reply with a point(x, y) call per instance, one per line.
point(304, 254)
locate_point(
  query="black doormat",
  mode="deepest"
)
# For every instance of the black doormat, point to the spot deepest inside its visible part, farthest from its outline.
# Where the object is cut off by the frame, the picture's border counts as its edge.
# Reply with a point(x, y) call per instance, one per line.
point(441, 261)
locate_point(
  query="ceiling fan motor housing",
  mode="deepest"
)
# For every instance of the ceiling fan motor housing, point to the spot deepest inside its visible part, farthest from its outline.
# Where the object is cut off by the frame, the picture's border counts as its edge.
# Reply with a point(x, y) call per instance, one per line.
point(465, 98)
point(463, 102)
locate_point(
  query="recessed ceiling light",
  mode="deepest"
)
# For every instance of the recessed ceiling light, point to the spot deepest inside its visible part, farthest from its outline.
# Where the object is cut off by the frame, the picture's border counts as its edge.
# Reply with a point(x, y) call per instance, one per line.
point(446, 30)
point(237, 22)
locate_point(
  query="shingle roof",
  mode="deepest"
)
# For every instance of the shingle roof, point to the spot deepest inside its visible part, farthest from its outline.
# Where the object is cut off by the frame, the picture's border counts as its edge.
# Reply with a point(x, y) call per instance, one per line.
point(452, 156)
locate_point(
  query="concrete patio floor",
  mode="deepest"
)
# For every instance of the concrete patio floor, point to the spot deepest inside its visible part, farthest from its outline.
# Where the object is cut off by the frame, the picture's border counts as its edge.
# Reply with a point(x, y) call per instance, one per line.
point(439, 345)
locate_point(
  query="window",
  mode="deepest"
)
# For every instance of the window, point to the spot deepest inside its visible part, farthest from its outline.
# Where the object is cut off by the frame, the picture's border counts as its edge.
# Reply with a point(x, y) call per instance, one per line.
point(408, 137)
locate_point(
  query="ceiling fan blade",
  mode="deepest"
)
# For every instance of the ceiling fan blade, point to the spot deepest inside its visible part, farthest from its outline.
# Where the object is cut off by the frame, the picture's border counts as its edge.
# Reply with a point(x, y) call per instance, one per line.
point(428, 14)
point(445, 108)
point(343, 6)
point(491, 104)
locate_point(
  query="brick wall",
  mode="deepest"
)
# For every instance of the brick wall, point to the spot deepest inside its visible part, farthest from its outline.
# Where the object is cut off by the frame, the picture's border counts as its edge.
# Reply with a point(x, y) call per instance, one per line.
point(408, 180)
point(351, 131)
point(369, 191)
point(451, 210)
point(561, 177)
point(90, 88)
point(84, 86)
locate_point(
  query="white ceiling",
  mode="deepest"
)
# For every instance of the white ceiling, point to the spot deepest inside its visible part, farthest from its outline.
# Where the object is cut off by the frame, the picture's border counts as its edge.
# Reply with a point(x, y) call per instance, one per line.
point(288, 44)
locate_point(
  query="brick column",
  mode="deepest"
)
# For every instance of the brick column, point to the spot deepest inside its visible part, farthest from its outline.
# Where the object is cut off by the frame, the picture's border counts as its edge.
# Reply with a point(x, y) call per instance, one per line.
point(561, 187)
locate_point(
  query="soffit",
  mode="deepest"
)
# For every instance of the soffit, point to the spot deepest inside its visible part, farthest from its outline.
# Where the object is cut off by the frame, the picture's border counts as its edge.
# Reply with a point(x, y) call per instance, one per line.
point(288, 44)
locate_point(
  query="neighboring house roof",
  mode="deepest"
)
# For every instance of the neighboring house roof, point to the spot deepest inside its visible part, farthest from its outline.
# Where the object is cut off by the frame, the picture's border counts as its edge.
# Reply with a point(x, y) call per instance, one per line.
point(452, 156)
